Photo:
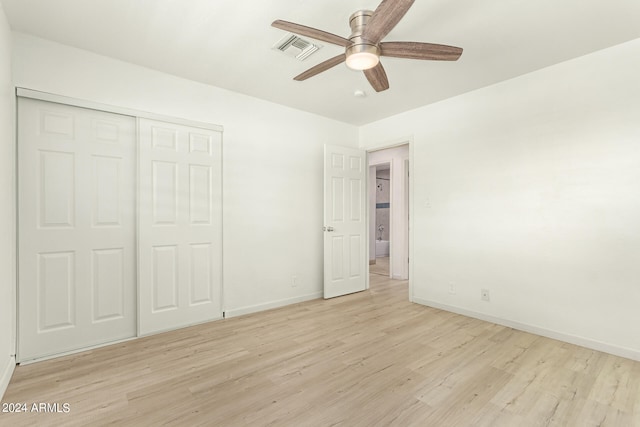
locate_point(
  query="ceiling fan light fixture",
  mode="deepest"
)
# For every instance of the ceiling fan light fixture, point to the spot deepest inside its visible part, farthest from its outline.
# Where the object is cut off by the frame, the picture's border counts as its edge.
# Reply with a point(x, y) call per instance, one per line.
point(362, 61)
point(362, 56)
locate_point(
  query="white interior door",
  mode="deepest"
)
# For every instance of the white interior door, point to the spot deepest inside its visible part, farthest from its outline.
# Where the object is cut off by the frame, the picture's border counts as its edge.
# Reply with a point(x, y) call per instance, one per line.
point(180, 225)
point(76, 190)
point(345, 234)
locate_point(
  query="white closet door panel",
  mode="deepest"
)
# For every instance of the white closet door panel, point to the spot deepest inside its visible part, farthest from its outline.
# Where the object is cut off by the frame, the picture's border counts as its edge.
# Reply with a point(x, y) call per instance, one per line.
point(76, 179)
point(180, 226)
point(56, 188)
point(201, 274)
point(108, 284)
point(164, 279)
point(56, 291)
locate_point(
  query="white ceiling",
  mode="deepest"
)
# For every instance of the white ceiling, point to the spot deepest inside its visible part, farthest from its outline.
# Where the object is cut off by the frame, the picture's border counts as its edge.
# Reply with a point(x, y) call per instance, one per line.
point(228, 43)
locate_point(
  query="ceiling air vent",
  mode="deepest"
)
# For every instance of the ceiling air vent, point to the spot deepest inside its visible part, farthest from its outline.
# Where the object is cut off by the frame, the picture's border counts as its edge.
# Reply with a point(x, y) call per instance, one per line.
point(296, 47)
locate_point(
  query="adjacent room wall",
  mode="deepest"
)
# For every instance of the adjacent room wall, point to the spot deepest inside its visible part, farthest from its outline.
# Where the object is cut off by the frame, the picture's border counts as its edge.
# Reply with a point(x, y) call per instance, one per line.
point(272, 167)
point(7, 209)
point(531, 189)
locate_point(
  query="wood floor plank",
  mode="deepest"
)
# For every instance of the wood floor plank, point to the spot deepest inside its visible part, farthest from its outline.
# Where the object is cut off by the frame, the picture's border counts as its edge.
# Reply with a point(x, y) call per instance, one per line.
point(366, 359)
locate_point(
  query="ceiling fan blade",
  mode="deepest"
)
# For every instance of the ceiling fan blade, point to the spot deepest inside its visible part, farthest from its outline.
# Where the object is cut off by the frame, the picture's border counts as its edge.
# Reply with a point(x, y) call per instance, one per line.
point(314, 33)
point(323, 66)
point(416, 50)
point(384, 18)
point(377, 77)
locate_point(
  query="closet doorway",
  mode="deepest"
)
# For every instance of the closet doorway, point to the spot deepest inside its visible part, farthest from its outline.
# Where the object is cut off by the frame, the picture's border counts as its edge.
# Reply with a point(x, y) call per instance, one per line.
point(119, 225)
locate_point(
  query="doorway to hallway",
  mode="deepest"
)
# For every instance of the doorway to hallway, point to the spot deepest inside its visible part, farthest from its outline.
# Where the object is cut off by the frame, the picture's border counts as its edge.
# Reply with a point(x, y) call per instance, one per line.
point(388, 212)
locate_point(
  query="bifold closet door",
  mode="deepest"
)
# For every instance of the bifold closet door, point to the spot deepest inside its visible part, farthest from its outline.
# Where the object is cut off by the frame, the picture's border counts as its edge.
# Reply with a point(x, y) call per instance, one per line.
point(76, 215)
point(180, 225)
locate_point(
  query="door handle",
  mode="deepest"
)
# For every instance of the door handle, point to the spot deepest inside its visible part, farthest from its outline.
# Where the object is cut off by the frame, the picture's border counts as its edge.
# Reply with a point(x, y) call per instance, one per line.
point(327, 228)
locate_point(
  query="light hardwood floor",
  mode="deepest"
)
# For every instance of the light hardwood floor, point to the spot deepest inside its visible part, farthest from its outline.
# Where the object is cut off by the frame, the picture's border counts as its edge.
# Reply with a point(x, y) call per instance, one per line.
point(381, 266)
point(367, 359)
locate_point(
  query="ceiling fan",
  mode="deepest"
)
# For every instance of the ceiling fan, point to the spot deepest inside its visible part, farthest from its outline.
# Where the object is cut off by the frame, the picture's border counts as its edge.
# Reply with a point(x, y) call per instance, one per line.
point(364, 46)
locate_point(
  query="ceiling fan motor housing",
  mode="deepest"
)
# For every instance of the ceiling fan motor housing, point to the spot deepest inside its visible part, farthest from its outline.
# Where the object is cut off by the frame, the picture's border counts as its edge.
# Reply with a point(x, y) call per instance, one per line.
point(360, 46)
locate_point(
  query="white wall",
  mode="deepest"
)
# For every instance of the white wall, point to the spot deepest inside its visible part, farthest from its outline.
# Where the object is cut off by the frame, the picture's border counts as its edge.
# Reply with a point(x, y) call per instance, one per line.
point(7, 209)
point(396, 156)
point(273, 163)
point(531, 188)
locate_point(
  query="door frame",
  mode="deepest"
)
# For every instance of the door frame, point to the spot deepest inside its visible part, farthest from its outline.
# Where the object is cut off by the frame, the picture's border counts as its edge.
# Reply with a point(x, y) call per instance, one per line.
point(390, 210)
point(377, 146)
point(83, 103)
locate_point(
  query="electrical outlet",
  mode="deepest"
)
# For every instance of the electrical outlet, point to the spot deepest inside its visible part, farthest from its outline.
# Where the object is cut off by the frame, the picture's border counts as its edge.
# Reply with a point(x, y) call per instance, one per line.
point(452, 288)
point(294, 281)
point(484, 295)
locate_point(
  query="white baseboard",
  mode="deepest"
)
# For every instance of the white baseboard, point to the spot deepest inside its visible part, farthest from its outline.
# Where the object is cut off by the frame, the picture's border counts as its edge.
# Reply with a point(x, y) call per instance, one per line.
point(7, 372)
point(70, 352)
point(557, 335)
point(270, 305)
